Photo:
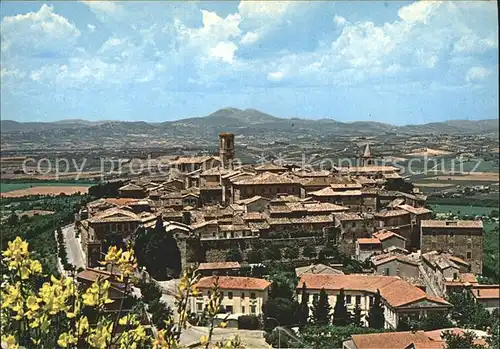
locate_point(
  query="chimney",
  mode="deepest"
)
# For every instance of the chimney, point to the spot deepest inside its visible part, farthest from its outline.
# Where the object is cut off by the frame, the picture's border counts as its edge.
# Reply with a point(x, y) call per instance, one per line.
point(186, 217)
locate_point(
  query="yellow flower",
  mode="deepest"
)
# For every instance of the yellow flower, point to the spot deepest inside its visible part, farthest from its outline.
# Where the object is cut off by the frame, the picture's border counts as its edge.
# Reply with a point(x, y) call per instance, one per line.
point(10, 342)
point(113, 256)
point(36, 341)
point(82, 325)
point(97, 294)
point(32, 303)
point(66, 339)
point(223, 324)
point(100, 336)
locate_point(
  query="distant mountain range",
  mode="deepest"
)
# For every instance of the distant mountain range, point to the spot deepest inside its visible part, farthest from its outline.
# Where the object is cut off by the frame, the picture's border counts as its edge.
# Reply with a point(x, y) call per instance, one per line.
point(250, 126)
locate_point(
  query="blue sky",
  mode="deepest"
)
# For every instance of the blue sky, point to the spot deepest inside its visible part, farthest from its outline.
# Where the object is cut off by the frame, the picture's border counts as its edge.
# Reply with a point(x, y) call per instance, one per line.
point(397, 62)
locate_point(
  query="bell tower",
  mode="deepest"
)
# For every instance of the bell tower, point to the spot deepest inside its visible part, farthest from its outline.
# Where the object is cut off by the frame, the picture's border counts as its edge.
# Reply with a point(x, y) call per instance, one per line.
point(367, 157)
point(226, 149)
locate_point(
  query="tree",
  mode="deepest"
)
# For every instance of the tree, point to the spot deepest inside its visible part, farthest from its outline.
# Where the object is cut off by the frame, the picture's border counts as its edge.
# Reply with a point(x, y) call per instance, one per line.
point(284, 310)
point(254, 256)
point(157, 250)
point(461, 340)
point(13, 219)
point(233, 255)
point(273, 252)
point(304, 306)
point(434, 321)
point(376, 314)
point(321, 309)
point(357, 318)
point(292, 252)
point(340, 315)
point(248, 322)
point(309, 251)
point(160, 312)
point(466, 312)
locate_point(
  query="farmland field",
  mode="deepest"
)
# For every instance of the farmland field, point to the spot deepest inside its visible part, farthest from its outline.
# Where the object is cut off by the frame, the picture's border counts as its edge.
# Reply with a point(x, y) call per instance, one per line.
point(11, 186)
point(464, 210)
point(50, 189)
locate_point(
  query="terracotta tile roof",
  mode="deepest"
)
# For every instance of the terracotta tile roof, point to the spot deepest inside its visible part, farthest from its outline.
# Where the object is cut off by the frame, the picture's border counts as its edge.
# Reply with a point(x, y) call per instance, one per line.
point(214, 171)
point(368, 241)
point(451, 224)
point(234, 283)
point(395, 340)
point(275, 221)
point(347, 216)
point(258, 225)
point(395, 291)
point(386, 234)
point(388, 257)
point(391, 175)
point(436, 334)
point(391, 213)
point(115, 214)
point(414, 210)
point(130, 187)
point(324, 207)
point(329, 191)
point(269, 166)
point(93, 275)
point(191, 160)
point(317, 269)
point(266, 178)
point(219, 265)
point(203, 224)
point(252, 199)
point(253, 216)
point(458, 260)
point(486, 291)
point(352, 185)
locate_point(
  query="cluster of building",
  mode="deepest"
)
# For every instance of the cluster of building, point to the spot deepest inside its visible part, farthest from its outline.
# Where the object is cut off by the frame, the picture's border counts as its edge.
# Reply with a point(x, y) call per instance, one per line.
point(414, 258)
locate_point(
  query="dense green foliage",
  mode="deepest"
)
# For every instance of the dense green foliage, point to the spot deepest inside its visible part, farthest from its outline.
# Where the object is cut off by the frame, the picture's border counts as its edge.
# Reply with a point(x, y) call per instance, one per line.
point(467, 313)
point(327, 337)
point(248, 322)
point(340, 315)
point(39, 230)
point(234, 255)
point(304, 306)
point(461, 341)
point(376, 314)
point(464, 201)
point(157, 251)
point(321, 309)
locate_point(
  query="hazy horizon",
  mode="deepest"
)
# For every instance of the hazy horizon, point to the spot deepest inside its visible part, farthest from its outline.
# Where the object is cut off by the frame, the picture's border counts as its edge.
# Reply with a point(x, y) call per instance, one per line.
point(397, 62)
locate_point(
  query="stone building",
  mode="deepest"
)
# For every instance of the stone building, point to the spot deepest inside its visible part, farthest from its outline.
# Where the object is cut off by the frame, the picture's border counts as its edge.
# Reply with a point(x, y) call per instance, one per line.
point(241, 295)
point(460, 238)
point(401, 300)
point(266, 184)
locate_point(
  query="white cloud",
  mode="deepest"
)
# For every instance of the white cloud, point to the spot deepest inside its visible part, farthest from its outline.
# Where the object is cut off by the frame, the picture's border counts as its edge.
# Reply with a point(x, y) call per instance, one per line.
point(91, 27)
point(338, 20)
point(14, 73)
point(42, 31)
point(263, 9)
point(420, 11)
point(471, 43)
point(476, 74)
point(249, 38)
point(275, 76)
point(224, 51)
point(103, 6)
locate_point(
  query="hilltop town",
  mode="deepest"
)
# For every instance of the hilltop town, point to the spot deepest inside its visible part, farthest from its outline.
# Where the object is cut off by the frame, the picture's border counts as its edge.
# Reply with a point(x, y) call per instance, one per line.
point(353, 232)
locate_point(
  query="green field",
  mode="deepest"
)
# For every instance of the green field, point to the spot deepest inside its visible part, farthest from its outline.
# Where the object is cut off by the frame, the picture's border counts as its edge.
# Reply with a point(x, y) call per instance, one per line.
point(11, 186)
point(463, 210)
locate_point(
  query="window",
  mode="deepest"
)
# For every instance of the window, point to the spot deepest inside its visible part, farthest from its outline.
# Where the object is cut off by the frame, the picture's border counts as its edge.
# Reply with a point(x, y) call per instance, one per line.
point(208, 294)
point(371, 300)
point(252, 295)
point(469, 254)
point(213, 234)
point(222, 294)
point(243, 309)
point(469, 235)
point(230, 295)
point(386, 271)
point(358, 300)
point(315, 297)
point(452, 235)
point(242, 295)
point(199, 307)
point(348, 299)
point(229, 309)
point(253, 309)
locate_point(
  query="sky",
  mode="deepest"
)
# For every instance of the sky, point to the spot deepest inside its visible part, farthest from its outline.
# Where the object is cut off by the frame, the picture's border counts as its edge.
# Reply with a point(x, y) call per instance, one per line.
point(397, 62)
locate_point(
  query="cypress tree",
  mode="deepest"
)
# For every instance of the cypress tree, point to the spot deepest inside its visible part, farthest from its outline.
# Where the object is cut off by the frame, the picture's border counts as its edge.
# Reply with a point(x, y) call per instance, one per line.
point(357, 318)
point(340, 315)
point(304, 307)
point(376, 315)
point(321, 309)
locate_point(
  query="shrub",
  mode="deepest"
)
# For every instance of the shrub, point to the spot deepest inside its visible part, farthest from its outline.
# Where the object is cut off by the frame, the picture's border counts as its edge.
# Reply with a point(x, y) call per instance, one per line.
point(292, 252)
point(309, 252)
point(248, 322)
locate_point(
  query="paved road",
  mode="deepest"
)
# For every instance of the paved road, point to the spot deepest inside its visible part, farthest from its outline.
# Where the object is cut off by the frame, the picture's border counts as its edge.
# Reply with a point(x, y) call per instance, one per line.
point(73, 247)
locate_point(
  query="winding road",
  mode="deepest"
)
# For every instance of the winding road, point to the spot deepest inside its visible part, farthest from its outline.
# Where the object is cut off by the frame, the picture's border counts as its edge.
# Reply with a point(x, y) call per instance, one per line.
point(73, 247)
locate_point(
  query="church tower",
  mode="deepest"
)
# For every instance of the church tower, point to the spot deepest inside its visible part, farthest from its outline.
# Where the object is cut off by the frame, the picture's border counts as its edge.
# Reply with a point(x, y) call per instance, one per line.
point(226, 149)
point(367, 158)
